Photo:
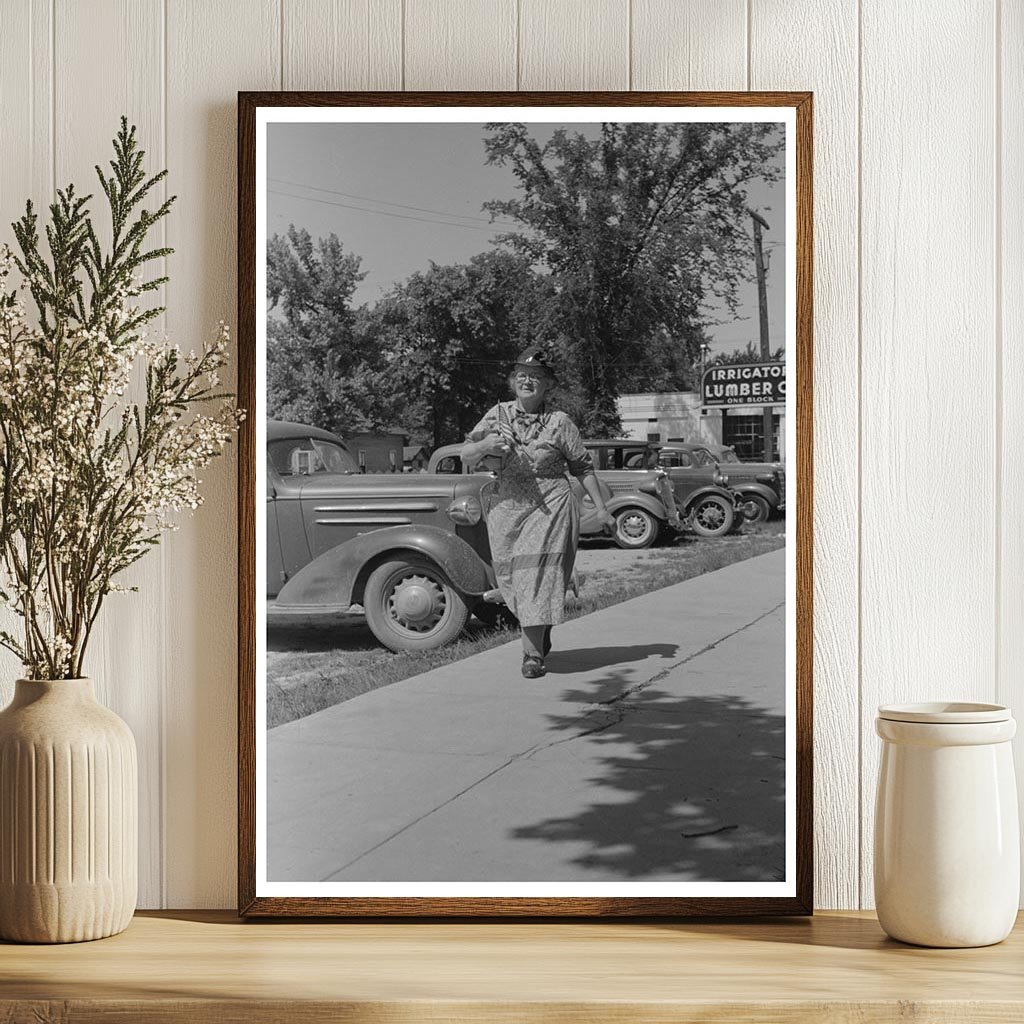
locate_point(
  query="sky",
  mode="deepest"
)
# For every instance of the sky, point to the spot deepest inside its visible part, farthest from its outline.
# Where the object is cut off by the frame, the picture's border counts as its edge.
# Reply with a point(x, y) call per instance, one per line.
point(403, 195)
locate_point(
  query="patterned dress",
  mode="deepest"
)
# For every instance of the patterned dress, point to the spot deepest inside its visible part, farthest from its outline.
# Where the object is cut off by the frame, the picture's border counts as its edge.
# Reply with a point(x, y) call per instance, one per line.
point(534, 521)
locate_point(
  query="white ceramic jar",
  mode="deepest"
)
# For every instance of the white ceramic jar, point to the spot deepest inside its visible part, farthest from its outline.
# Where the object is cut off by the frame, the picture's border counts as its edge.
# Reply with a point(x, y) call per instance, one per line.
point(947, 847)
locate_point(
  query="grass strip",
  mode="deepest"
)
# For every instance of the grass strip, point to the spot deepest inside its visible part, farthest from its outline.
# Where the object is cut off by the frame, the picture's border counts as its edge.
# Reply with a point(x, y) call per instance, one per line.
point(302, 682)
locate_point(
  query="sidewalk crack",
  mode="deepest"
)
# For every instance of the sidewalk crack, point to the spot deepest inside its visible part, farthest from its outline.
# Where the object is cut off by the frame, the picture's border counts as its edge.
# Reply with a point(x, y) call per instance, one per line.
point(640, 687)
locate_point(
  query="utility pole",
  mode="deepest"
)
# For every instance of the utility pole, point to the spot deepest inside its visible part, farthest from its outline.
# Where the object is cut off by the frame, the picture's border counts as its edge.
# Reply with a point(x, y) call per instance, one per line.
point(762, 309)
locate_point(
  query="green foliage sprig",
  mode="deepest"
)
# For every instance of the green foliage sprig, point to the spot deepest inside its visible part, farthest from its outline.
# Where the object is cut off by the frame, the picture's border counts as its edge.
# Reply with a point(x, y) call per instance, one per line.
point(89, 478)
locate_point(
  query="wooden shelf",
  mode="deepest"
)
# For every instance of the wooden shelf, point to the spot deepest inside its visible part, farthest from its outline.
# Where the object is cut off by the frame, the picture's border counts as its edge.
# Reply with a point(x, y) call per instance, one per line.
point(208, 966)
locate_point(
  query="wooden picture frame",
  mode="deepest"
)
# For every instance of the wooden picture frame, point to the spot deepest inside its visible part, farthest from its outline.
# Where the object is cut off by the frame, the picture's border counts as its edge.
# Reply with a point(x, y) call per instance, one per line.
point(794, 895)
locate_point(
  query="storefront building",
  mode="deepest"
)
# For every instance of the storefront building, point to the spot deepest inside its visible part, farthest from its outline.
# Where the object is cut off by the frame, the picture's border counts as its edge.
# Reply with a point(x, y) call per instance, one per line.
point(730, 411)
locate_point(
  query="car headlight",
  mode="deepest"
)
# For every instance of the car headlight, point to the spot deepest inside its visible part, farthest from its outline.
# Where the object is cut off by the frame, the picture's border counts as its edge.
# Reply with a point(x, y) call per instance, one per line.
point(466, 511)
point(720, 478)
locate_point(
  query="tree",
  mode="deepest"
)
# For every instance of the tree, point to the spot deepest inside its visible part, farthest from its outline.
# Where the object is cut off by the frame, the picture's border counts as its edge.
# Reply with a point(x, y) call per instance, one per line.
point(750, 354)
point(319, 368)
point(637, 228)
point(450, 336)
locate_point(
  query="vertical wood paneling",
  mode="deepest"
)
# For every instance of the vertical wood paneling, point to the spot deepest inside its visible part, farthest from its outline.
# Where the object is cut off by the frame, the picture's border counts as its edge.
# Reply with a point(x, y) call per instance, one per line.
point(1010, 263)
point(342, 44)
point(126, 665)
point(940, 226)
point(928, 413)
point(213, 51)
point(694, 44)
point(468, 45)
point(26, 68)
point(26, 168)
point(781, 59)
point(574, 44)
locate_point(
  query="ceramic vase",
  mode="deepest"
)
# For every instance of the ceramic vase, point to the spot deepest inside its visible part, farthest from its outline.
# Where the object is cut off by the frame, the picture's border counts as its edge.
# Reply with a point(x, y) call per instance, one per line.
point(947, 848)
point(68, 815)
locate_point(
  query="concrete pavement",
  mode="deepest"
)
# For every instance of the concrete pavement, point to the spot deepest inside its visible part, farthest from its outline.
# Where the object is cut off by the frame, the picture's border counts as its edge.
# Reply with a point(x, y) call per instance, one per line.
point(654, 749)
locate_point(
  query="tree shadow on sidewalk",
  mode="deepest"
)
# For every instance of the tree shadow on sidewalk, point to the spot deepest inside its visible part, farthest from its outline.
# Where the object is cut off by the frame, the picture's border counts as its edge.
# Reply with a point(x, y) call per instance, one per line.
point(690, 788)
point(580, 659)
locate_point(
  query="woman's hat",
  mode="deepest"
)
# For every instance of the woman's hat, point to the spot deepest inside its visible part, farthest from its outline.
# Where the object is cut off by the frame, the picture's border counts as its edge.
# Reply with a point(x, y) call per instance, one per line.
point(535, 358)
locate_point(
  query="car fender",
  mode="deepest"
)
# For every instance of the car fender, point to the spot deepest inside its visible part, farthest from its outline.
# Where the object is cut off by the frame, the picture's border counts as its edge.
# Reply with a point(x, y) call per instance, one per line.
point(337, 577)
point(762, 490)
point(637, 499)
point(702, 492)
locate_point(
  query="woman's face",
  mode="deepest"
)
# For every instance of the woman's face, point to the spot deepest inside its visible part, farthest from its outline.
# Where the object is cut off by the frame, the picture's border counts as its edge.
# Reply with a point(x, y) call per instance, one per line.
point(530, 385)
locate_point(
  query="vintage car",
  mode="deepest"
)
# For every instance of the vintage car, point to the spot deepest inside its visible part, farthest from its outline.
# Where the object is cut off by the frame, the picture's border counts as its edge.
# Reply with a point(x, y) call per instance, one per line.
point(707, 506)
point(641, 509)
point(410, 548)
point(761, 485)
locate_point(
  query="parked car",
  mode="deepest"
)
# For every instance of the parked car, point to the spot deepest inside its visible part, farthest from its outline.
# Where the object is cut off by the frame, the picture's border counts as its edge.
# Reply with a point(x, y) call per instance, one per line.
point(642, 507)
point(761, 485)
point(412, 549)
point(706, 506)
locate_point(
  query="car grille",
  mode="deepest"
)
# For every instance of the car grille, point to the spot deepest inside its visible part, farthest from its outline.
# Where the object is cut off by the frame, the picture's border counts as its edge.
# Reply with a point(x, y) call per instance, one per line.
point(782, 488)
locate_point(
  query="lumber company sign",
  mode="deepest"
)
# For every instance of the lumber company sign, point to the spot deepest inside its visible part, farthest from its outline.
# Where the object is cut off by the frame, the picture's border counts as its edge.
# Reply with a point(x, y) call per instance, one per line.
point(744, 384)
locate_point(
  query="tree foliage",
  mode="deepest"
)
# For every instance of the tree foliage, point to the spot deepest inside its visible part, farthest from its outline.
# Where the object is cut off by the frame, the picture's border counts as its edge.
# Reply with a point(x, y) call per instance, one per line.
point(451, 334)
point(320, 368)
point(637, 228)
point(750, 354)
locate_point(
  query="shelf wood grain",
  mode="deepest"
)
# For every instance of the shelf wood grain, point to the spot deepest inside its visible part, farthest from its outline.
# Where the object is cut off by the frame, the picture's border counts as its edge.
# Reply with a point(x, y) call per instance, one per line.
point(208, 966)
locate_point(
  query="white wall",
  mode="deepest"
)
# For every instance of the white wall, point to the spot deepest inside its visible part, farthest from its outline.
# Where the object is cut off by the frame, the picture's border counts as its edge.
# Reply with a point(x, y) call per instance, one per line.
point(919, 317)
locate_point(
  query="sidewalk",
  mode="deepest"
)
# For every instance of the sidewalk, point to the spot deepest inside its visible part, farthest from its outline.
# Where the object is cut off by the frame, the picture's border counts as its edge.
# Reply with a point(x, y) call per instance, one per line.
point(652, 750)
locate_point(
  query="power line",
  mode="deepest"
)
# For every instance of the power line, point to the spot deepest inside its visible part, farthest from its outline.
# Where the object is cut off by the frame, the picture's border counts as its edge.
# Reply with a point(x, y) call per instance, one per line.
point(388, 202)
point(381, 213)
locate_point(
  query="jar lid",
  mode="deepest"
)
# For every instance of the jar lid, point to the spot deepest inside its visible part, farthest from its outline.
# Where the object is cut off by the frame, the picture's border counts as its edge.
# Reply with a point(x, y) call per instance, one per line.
point(945, 713)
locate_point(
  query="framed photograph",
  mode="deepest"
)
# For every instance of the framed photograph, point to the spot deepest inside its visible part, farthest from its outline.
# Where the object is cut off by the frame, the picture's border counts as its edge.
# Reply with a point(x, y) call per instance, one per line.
point(525, 504)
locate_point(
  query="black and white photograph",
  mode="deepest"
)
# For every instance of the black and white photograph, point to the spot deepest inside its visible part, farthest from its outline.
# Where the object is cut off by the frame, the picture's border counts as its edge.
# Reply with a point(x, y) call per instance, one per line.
point(525, 574)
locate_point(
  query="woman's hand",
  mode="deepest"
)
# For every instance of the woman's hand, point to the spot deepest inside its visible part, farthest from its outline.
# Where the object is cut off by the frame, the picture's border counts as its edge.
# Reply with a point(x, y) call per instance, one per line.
point(492, 444)
point(606, 519)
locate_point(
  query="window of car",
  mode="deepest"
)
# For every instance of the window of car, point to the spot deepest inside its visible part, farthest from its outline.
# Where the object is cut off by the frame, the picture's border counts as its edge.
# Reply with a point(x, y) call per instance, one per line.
point(703, 457)
point(449, 464)
point(599, 455)
point(728, 455)
point(646, 458)
point(302, 456)
point(679, 459)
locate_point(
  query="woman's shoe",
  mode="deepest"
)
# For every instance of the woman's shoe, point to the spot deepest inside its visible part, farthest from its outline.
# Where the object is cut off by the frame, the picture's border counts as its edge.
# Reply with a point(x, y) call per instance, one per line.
point(533, 667)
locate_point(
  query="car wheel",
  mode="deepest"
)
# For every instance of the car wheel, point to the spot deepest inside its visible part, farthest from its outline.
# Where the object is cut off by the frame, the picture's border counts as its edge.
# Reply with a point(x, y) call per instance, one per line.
point(635, 528)
point(411, 606)
point(764, 510)
point(712, 516)
point(496, 616)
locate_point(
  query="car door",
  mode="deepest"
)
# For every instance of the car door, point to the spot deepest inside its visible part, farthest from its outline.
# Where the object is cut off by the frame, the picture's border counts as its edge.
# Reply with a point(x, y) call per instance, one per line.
point(686, 477)
point(294, 546)
point(275, 562)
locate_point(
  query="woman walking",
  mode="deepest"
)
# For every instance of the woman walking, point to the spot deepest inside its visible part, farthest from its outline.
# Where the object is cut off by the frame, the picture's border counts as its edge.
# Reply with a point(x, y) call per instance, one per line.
point(533, 523)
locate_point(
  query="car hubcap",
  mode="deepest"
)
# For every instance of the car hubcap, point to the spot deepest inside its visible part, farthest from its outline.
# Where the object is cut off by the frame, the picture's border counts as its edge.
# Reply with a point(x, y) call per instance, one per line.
point(634, 527)
point(710, 516)
point(417, 603)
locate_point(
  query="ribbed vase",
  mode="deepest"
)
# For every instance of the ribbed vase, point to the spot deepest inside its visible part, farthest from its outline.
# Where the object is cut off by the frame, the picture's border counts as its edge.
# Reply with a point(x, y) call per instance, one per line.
point(68, 815)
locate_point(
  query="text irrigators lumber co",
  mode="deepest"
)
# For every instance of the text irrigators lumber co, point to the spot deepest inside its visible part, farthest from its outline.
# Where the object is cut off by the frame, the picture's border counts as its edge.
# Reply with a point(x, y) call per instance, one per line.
point(744, 384)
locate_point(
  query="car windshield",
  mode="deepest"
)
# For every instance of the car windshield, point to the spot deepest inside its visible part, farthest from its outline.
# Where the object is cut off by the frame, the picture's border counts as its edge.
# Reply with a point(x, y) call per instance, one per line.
point(302, 456)
point(728, 455)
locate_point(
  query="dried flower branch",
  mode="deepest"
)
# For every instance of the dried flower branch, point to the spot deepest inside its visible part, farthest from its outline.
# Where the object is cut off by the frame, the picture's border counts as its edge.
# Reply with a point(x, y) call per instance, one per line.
point(88, 477)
